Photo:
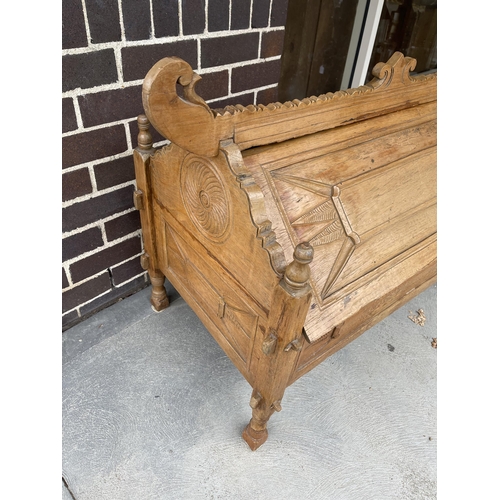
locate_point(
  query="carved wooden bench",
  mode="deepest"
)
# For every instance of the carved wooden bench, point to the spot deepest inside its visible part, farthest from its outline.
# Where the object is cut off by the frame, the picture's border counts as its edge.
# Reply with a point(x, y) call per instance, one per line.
point(289, 228)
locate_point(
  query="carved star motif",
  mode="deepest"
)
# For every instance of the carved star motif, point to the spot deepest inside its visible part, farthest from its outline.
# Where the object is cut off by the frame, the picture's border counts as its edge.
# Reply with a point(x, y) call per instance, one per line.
point(330, 210)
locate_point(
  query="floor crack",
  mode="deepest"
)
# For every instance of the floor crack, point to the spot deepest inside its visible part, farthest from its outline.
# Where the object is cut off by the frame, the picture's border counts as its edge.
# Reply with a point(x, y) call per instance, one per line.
point(67, 487)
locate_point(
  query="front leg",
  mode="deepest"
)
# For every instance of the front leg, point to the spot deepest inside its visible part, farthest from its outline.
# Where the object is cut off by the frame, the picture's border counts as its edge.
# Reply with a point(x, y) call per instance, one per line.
point(255, 433)
point(281, 346)
point(159, 298)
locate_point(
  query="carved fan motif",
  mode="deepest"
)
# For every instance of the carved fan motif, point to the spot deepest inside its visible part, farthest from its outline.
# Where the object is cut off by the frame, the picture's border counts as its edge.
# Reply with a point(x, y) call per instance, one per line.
point(339, 227)
point(205, 198)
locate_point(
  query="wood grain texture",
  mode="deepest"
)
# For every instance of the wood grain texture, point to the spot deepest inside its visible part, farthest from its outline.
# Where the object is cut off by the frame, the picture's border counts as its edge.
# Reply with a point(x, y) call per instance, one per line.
point(343, 198)
point(235, 208)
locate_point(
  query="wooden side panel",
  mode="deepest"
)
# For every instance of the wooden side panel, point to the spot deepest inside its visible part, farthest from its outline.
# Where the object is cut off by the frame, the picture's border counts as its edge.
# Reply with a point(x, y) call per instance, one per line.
point(364, 196)
point(224, 307)
point(207, 200)
point(215, 244)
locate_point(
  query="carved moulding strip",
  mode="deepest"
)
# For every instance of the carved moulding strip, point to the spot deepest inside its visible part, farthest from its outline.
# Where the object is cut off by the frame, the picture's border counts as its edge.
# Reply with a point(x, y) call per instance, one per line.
point(257, 206)
point(394, 72)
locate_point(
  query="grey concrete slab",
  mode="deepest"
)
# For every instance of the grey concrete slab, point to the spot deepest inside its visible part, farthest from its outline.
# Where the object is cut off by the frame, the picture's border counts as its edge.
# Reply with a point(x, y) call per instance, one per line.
point(156, 410)
point(109, 321)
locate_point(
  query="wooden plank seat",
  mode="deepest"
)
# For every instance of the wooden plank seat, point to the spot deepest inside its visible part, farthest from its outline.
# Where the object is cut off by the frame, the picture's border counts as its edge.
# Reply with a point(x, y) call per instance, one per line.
point(289, 228)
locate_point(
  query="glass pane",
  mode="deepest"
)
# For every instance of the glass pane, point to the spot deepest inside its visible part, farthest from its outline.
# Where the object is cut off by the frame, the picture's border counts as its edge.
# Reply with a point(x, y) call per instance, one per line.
point(408, 26)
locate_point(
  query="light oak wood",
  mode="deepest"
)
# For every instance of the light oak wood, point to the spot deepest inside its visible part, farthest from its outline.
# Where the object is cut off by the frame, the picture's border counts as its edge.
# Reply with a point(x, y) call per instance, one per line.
point(289, 228)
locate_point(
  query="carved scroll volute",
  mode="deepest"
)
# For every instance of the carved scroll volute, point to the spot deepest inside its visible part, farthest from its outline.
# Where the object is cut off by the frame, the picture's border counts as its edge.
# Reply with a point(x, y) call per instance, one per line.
point(395, 72)
point(187, 122)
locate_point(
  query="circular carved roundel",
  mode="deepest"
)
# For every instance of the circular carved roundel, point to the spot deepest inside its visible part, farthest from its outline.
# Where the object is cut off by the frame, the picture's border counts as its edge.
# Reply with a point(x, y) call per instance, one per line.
point(205, 198)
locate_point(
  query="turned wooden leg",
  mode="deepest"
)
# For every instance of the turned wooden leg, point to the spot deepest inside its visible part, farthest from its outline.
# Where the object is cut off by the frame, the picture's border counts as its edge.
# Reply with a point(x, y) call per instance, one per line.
point(159, 298)
point(255, 433)
point(280, 344)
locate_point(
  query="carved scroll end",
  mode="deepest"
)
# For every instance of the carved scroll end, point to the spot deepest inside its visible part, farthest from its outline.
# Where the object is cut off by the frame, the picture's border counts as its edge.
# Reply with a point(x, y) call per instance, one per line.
point(186, 121)
point(396, 71)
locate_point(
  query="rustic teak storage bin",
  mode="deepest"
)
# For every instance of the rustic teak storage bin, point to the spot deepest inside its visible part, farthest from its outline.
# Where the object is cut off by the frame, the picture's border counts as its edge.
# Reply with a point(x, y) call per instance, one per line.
point(289, 228)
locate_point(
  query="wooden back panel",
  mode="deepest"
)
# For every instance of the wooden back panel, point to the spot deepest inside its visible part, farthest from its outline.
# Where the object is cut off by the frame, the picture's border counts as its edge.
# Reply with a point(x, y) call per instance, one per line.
point(364, 195)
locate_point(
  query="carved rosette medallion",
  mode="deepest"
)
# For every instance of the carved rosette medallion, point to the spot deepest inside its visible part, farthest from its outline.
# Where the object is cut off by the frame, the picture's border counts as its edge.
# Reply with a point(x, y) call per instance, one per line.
point(205, 198)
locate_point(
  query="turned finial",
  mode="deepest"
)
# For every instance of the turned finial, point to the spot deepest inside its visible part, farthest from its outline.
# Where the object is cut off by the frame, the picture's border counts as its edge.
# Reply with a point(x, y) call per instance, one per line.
point(297, 273)
point(144, 139)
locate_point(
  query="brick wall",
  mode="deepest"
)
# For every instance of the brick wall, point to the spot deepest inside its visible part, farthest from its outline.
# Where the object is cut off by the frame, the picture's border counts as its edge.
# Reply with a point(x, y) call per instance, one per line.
point(108, 47)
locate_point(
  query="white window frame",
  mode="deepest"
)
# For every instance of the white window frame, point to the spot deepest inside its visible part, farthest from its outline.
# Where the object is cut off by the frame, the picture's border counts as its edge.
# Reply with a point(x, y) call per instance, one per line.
point(373, 10)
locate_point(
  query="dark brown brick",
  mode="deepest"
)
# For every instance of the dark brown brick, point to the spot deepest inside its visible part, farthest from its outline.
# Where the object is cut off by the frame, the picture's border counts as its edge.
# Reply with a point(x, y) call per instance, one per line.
point(278, 12)
point(97, 208)
point(240, 14)
point(137, 61)
point(166, 17)
point(260, 13)
point(108, 257)
point(93, 145)
point(244, 100)
point(213, 85)
point(272, 43)
point(88, 70)
point(104, 20)
point(123, 225)
point(68, 115)
point(267, 96)
point(136, 19)
point(111, 105)
point(75, 184)
point(85, 292)
point(78, 244)
point(73, 25)
point(229, 49)
point(255, 75)
point(193, 16)
point(218, 15)
point(115, 172)
point(126, 271)
point(69, 320)
point(113, 296)
point(65, 282)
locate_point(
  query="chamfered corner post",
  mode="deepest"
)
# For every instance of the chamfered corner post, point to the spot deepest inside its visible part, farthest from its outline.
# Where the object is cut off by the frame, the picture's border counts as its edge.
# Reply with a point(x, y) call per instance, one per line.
point(282, 343)
point(143, 203)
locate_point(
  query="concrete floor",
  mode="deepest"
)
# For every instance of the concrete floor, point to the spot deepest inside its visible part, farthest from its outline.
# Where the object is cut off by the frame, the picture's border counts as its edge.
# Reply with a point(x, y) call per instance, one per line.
point(153, 409)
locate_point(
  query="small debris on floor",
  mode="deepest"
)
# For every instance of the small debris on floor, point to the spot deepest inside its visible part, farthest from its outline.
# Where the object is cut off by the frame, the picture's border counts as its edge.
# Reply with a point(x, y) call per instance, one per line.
point(390, 347)
point(418, 318)
point(434, 343)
